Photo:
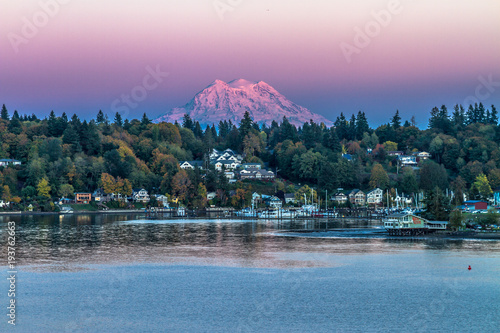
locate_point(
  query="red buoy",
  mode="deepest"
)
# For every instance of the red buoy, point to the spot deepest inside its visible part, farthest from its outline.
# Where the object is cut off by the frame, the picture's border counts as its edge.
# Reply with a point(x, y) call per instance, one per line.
point(470, 268)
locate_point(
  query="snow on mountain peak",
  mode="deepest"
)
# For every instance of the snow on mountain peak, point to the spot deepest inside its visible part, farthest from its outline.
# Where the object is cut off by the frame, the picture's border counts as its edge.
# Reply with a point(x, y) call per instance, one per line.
point(241, 83)
point(229, 101)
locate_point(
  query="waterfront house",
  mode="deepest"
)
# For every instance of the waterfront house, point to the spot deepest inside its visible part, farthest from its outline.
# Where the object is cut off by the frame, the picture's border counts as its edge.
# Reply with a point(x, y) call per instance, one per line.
point(375, 197)
point(339, 198)
point(100, 196)
point(83, 198)
point(357, 197)
point(401, 224)
point(140, 195)
point(290, 198)
point(211, 195)
point(274, 202)
point(162, 200)
point(475, 205)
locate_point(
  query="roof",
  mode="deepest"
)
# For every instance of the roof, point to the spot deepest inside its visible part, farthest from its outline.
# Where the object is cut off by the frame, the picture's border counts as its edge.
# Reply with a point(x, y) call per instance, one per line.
point(473, 201)
point(375, 189)
point(289, 195)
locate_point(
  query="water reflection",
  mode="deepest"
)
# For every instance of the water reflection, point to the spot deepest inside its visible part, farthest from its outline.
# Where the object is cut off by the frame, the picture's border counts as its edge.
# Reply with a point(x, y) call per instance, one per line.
point(69, 240)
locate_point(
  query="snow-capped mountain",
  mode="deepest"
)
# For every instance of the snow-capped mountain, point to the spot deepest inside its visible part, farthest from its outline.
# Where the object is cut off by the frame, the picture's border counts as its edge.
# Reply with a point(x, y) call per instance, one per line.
point(229, 101)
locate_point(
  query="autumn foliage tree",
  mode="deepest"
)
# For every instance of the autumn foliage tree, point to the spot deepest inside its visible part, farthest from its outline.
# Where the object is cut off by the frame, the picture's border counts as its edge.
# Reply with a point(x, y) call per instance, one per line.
point(181, 185)
point(379, 177)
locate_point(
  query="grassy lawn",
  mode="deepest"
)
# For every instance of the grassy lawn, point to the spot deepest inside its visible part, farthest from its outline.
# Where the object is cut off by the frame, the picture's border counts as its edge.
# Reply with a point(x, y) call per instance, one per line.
point(86, 207)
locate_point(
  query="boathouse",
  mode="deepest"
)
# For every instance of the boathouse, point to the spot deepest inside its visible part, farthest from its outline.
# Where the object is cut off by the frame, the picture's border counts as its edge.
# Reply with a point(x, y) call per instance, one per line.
point(401, 224)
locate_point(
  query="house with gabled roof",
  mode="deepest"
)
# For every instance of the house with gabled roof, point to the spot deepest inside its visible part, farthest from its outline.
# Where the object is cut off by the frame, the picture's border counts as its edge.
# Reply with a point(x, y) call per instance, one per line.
point(339, 197)
point(357, 197)
point(190, 164)
point(140, 195)
point(375, 197)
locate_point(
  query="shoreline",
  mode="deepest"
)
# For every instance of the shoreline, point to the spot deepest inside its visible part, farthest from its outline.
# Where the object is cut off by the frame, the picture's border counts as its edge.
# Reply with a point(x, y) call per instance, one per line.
point(81, 212)
point(455, 235)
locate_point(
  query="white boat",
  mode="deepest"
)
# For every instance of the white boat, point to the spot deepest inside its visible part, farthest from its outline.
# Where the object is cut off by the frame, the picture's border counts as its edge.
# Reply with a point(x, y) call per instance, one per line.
point(277, 214)
point(308, 210)
point(246, 212)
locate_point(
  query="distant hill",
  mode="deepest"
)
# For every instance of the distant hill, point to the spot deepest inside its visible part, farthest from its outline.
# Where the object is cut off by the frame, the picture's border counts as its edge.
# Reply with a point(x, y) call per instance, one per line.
point(229, 101)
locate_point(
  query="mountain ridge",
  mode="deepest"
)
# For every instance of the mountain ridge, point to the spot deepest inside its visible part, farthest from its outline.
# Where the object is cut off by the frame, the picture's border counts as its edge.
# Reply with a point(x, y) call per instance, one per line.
point(221, 101)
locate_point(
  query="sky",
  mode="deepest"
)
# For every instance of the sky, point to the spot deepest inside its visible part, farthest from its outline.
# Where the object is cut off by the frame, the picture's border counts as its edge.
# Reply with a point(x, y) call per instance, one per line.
point(329, 56)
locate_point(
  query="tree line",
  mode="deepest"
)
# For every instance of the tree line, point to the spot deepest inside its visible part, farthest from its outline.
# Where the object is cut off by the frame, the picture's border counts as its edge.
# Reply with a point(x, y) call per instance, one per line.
point(61, 155)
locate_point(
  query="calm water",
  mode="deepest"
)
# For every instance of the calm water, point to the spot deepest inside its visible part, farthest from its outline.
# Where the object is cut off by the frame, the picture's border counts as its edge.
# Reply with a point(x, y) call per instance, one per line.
point(121, 273)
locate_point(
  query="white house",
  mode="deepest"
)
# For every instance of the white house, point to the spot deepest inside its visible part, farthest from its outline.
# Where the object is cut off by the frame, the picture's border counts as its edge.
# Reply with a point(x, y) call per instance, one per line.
point(211, 195)
point(227, 164)
point(339, 197)
point(423, 155)
point(290, 198)
point(274, 202)
point(140, 195)
point(9, 161)
point(251, 166)
point(229, 174)
point(375, 197)
point(406, 160)
point(162, 200)
point(190, 164)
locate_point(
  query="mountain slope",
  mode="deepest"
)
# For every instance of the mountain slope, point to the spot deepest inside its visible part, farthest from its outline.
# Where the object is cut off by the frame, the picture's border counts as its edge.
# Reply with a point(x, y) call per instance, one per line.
point(229, 101)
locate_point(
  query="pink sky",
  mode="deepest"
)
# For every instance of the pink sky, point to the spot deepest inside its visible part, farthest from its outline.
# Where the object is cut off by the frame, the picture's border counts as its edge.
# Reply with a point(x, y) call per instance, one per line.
point(88, 53)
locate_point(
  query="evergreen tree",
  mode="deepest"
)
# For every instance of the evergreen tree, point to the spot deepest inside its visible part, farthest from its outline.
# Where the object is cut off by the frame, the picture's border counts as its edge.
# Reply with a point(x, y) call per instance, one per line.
point(187, 122)
point(62, 123)
point(100, 117)
point(4, 114)
point(493, 115)
point(52, 124)
point(341, 126)
point(437, 204)
point(471, 117)
point(458, 116)
point(126, 125)
point(245, 124)
point(118, 120)
point(15, 126)
point(198, 132)
point(351, 133)
point(145, 120)
point(481, 113)
point(396, 120)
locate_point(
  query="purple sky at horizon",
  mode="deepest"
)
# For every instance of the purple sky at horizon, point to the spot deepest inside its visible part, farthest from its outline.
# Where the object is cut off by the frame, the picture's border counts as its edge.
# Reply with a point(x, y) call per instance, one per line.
point(83, 56)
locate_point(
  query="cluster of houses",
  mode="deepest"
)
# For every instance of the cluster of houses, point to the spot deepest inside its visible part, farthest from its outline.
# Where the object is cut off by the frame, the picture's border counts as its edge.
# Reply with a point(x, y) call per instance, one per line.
point(232, 165)
point(138, 195)
point(374, 197)
point(403, 159)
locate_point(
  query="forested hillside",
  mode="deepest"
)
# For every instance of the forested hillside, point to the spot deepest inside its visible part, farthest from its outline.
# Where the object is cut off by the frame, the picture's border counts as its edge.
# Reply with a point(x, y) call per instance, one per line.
point(61, 155)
